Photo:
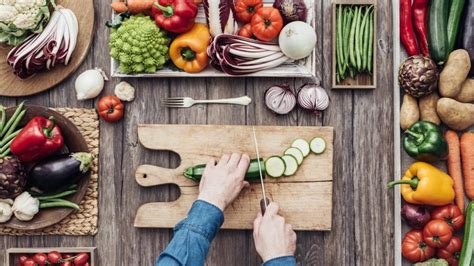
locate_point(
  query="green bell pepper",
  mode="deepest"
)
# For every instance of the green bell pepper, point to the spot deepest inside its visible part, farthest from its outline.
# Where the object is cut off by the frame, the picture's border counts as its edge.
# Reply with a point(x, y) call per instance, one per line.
point(424, 141)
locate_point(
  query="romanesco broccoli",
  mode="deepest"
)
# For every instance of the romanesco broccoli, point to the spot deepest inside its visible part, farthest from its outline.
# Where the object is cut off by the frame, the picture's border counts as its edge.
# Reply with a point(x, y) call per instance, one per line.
point(139, 45)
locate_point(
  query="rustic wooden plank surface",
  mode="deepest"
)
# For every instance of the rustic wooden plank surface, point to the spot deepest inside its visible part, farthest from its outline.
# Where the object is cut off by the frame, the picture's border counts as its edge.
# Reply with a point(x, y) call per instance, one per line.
point(362, 208)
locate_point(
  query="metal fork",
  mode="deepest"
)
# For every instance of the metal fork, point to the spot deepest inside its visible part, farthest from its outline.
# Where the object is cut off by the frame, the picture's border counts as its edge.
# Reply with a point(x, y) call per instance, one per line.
point(185, 102)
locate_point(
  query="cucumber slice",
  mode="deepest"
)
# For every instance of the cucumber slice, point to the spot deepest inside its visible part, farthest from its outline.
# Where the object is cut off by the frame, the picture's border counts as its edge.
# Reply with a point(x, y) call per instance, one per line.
point(291, 164)
point(275, 166)
point(318, 145)
point(302, 145)
point(295, 152)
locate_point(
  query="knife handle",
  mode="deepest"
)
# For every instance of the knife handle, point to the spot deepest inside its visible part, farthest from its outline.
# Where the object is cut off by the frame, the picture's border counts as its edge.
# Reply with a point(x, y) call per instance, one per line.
point(263, 206)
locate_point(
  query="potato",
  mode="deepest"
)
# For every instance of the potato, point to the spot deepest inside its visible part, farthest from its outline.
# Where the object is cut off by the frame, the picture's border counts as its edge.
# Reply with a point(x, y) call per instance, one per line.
point(454, 114)
point(466, 95)
point(454, 73)
point(409, 112)
point(427, 105)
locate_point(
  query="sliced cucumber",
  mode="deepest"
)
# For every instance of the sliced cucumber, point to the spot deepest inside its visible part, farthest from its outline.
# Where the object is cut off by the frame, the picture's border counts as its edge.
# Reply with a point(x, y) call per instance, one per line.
point(295, 152)
point(275, 166)
point(318, 145)
point(291, 164)
point(302, 145)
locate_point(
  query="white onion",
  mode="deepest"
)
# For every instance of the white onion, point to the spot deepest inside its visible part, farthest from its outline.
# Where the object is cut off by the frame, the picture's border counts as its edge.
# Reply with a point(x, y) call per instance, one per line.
point(90, 83)
point(313, 97)
point(280, 99)
point(297, 40)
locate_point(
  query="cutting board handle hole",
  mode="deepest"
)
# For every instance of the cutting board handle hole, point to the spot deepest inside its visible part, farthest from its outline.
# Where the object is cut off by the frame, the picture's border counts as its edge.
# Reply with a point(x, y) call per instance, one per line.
point(145, 176)
point(172, 162)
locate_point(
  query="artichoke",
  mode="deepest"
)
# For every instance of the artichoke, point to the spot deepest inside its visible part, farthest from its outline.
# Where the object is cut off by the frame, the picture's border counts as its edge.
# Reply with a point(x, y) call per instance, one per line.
point(139, 46)
point(12, 177)
point(418, 76)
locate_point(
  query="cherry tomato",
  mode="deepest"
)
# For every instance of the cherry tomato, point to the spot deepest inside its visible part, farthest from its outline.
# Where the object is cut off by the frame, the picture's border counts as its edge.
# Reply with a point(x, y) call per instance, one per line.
point(451, 214)
point(54, 257)
point(110, 108)
point(41, 259)
point(29, 262)
point(22, 259)
point(67, 255)
point(81, 259)
point(437, 233)
point(451, 252)
point(414, 249)
point(66, 263)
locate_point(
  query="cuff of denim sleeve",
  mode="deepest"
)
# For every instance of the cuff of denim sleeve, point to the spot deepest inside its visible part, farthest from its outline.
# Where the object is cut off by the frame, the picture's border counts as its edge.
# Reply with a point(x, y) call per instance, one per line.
point(203, 218)
point(280, 261)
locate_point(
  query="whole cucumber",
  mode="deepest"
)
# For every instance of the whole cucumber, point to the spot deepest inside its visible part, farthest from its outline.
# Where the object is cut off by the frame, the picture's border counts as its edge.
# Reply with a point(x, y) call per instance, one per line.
point(437, 30)
point(468, 242)
point(453, 22)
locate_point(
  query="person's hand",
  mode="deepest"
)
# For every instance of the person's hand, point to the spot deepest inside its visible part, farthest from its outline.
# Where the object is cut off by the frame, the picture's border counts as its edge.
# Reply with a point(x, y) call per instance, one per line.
point(221, 183)
point(272, 235)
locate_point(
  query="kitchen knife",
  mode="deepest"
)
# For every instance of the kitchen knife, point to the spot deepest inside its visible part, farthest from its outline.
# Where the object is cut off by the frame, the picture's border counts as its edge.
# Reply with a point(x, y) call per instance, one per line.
point(264, 201)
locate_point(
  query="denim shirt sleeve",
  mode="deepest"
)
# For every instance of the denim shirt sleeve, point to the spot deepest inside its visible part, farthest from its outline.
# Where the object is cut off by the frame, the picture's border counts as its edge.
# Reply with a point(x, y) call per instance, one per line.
point(193, 236)
point(281, 261)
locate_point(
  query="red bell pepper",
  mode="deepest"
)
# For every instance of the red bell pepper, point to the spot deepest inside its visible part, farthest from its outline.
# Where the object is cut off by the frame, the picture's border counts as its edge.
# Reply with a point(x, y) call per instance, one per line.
point(420, 14)
point(175, 15)
point(40, 138)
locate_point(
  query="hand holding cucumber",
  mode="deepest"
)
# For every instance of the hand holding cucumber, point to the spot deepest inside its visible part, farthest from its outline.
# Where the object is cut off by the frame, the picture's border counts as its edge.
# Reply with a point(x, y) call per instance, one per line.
point(221, 183)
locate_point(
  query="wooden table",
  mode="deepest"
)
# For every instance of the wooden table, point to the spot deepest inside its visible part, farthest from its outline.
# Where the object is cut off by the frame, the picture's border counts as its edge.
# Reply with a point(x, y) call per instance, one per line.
point(362, 208)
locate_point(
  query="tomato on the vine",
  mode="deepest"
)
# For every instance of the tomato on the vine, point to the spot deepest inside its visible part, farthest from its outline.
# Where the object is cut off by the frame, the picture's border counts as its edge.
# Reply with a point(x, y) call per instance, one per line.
point(54, 257)
point(437, 233)
point(414, 248)
point(22, 259)
point(41, 259)
point(81, 259)
point(451, 214)
point(29, 262)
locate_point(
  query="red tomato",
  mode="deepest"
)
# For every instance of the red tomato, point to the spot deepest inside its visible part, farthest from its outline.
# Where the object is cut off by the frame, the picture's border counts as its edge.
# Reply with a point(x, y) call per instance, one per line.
point(437, 233)
point(67, 255)
point(54, 257)
point(451, 252)
point(110, 108)
point(81, 259)
point(66, 263)
point(245, 9)
point(41, 259)
point(414, 248)
point(22, 259)
point(267, 23)
point(246, 31)
point(451, 214)
point(29, 262)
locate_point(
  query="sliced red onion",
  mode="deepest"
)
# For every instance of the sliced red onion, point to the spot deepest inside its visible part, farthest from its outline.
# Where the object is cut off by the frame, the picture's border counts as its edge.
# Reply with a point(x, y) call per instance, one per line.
point(280, 99)
point(313, 98)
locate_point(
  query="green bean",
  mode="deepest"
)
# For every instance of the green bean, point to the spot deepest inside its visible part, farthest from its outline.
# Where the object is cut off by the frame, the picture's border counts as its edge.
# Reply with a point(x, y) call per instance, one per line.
point(15, 123)
point(346, 37)
point(53, 203)
point(9, 137)
point(73, 186)
point(12, 119)
point(357, 39)
point(339, 38)
point(57, 195)
point(5, 153)
point(362, 37)
point(4, 117)
point(352, 38)
point(370, 60)
point(7, 146)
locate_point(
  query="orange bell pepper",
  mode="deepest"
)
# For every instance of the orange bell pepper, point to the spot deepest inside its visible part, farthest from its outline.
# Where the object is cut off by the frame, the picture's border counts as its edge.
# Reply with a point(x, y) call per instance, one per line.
point(189, 50)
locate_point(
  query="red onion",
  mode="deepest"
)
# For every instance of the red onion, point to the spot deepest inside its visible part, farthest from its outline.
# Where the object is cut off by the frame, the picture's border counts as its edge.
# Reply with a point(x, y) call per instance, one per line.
point(415, 216)
point(313, 98)
point(280, 99)
point(291, 10)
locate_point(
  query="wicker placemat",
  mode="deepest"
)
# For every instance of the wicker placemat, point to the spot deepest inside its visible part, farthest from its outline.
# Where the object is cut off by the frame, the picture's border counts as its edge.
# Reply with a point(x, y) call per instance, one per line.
point(83, 222)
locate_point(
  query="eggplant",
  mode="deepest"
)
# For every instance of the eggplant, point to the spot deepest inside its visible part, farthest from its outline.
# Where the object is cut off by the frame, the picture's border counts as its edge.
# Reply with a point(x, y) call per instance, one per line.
point(59, 172)
point(468, 33)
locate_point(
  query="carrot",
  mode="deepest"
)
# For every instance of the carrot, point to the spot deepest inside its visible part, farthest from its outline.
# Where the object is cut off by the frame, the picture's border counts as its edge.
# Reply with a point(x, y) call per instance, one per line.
point(138, 6)
point(119, 7)
point(467, 154)
point(454, 167)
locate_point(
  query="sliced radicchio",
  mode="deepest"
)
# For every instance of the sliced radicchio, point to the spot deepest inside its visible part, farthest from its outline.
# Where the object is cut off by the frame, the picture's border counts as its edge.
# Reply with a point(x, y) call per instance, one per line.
point(236, 55)
point(44, 50)
point(220, 16)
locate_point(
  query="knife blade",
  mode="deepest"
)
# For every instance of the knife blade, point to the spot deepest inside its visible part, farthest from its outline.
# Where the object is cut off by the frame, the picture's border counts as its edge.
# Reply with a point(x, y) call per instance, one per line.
point(264, 201)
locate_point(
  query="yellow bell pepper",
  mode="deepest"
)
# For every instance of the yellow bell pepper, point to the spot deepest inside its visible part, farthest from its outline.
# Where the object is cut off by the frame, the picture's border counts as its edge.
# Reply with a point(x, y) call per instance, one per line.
point(189, 50)
point(425, 184)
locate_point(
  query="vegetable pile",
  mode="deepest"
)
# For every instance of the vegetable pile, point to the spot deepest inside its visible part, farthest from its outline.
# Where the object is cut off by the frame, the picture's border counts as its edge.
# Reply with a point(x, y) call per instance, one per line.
point(38, 174)
point(275, 166)
point(239, 38)
point(54, 258)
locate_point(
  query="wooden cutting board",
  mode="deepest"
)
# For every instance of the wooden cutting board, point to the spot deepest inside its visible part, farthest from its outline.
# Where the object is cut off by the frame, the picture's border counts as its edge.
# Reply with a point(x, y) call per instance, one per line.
point(11, 85)
point(305, 199)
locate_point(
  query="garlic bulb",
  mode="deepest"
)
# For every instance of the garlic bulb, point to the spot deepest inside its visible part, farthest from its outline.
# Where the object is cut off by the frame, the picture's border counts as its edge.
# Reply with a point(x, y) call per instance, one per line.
point(124, 91)
point(25, 207)
point(5, 210)
point(90, 83)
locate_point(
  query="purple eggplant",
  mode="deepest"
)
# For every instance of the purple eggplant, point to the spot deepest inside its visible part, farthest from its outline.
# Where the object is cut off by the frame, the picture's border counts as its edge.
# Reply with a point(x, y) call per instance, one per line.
point(58, 172)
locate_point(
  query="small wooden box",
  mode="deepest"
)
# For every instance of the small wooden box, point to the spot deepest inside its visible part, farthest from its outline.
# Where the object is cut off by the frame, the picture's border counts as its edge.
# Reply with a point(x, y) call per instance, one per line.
point(12, 254)
point(361, 81)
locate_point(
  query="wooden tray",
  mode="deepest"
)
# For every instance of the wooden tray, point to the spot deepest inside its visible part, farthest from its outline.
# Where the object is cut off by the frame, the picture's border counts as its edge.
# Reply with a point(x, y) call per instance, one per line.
point(12, 254)
point(305, 198)
point(74, 142)
point(11, 85)
point(361, 81)
point(301, 68)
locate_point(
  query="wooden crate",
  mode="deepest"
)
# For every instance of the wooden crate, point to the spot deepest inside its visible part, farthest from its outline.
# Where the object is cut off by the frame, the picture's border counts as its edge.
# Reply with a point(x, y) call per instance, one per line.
point(361, 81)
point(303, 68)
point(12, 254)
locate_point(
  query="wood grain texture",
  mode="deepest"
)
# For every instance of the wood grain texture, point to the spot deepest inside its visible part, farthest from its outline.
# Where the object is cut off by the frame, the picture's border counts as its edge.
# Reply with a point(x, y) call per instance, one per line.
point(11, 85)
point(119, 244)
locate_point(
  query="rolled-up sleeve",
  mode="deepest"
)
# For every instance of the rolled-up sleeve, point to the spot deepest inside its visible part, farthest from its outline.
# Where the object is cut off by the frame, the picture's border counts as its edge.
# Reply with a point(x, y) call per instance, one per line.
point(281, 261)
point(193, 236)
